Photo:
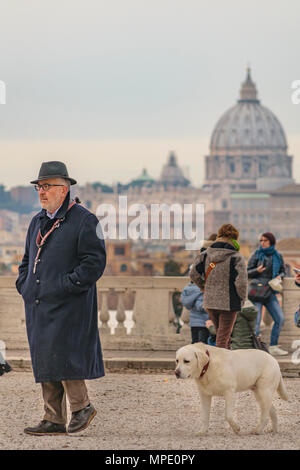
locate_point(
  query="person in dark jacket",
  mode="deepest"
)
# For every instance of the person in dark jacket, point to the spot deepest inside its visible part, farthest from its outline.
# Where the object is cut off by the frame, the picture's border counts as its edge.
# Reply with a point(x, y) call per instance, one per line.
point(64, 258)
point(266, 264)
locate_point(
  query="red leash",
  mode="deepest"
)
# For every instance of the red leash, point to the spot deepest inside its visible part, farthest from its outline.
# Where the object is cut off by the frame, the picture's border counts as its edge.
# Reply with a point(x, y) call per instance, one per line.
point(40, 241)
point(206, 366)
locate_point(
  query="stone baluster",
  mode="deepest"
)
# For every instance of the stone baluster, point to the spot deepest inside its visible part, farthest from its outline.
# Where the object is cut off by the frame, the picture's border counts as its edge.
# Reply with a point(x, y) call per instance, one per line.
point(134, 318)
point(120, 329)
point(151, 308)
point(185, 317)
point(104, 312)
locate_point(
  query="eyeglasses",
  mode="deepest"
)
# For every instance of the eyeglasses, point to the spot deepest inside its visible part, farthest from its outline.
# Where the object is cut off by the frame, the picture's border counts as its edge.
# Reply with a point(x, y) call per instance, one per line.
point(45, 187)
point(263, 240)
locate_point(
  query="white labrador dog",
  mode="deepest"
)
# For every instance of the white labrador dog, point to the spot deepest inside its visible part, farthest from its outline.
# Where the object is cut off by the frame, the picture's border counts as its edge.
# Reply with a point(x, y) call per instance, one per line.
point(221, 372)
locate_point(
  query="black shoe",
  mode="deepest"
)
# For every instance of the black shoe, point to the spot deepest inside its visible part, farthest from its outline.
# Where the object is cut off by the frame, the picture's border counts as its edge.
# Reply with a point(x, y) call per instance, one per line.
point(5, 368)
point(81, 419)
point(46, 428)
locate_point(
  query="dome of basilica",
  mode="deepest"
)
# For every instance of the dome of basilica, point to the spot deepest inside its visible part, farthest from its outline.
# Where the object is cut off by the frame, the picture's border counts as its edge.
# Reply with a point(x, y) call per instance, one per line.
point(248, 147)
point(172, 174)
point(248, 125)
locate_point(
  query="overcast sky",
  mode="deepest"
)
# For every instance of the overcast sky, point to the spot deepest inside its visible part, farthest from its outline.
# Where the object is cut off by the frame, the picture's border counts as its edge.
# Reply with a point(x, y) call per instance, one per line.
point(111, 86)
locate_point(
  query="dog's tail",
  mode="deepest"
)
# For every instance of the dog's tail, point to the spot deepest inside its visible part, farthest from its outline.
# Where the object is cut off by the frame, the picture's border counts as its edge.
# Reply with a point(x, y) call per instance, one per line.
point(282, 390)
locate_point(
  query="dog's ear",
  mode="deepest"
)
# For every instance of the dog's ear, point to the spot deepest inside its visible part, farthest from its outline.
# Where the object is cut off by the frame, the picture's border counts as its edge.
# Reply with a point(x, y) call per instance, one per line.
point(202, 359)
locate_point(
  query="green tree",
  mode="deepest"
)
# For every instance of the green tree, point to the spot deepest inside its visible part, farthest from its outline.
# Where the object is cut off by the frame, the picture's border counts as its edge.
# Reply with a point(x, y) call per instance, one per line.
point(172, 268)
point(3, 269)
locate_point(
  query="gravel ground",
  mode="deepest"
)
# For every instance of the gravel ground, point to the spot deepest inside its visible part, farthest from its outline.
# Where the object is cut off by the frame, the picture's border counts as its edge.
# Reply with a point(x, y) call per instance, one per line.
point(145, 411)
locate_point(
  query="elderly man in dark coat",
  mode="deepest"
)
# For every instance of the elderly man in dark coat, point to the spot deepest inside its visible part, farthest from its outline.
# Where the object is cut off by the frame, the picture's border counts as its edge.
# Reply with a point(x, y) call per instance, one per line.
point(64, 257)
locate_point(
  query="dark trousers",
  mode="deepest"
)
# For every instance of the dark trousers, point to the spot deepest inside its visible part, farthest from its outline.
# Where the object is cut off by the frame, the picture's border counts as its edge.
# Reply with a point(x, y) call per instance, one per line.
point(54, 395)
point(200, 334)
point(223, 321)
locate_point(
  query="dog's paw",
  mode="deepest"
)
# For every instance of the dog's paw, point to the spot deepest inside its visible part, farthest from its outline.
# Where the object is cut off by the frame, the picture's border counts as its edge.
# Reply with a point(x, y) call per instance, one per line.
point(236, 428)
point(272, 430)
point(255, 431)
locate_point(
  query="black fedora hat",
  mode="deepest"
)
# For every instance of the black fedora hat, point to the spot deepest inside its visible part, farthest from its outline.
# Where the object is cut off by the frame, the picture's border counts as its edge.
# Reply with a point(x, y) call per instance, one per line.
point(53, 170)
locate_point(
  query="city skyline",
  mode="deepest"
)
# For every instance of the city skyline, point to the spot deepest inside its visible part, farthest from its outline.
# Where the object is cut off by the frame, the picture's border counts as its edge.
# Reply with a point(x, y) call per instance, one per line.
point(73, 153)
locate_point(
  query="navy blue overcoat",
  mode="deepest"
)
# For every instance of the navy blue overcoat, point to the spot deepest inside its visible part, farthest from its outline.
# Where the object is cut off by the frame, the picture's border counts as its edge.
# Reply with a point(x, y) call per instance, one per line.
point(61, 298)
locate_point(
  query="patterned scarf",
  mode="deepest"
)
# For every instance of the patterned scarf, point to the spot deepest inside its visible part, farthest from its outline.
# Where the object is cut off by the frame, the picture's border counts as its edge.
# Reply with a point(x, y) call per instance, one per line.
point(262, 253)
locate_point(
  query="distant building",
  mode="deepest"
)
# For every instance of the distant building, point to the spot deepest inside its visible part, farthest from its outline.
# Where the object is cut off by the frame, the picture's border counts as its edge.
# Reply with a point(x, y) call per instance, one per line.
point(126, 258)
point(248, 147)
point(11, 253)
point(250, 165)
point(9, 220)
point(172, 175)
point(25, 196)
point(143, 180)
point(285, 211)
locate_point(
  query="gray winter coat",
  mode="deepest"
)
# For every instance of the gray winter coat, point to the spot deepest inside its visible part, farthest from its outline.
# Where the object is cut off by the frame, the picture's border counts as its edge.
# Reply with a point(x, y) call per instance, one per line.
point(227, 284)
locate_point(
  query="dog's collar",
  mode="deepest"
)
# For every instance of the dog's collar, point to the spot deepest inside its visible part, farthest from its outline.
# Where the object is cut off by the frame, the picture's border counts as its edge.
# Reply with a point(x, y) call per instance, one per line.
point(206, 365)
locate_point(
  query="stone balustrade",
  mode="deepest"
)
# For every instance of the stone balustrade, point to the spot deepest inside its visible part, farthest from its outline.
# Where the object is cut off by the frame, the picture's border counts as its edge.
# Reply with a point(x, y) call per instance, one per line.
point(149, 303)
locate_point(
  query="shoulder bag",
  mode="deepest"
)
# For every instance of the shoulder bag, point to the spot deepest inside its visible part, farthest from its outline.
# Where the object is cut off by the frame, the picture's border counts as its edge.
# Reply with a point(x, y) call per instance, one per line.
point(202, 276)
point(259, 291)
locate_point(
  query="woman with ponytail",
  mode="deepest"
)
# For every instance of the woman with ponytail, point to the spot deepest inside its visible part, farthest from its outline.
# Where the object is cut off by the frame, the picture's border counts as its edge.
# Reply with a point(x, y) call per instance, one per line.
point(266, 264)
